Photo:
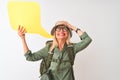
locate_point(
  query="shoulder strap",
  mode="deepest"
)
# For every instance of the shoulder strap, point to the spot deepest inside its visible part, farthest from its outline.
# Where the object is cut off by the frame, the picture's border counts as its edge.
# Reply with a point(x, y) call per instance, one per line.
point(71, 57)
point(49, 57)
point(49, 43)
point(71, 53)
point(45, 64)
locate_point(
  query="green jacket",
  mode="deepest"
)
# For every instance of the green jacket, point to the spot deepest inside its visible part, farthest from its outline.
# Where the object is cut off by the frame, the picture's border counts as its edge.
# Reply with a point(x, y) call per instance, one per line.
point(65, 68)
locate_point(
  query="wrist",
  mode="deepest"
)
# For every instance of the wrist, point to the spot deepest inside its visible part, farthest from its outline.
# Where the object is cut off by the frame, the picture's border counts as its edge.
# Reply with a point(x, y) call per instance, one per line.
point(22, 38)
point(77, 29)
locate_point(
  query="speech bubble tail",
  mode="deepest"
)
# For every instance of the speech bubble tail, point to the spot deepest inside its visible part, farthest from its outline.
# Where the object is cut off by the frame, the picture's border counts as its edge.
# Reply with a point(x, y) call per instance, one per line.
point(44, 33)
point(46, 36)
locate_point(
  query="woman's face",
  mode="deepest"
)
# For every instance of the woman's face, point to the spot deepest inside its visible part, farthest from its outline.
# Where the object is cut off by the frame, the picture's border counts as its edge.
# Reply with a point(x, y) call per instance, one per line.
point(61, 32)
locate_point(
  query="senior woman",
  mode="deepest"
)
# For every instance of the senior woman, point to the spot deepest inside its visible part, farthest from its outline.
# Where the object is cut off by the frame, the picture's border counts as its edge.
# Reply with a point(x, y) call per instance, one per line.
point(62, 32)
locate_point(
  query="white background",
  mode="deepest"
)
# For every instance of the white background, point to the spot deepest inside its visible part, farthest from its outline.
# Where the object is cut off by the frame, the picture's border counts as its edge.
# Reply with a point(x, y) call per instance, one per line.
point(99, 18)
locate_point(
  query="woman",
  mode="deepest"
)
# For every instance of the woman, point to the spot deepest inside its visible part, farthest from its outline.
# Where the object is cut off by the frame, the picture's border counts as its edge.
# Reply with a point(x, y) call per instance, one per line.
point(62, 32)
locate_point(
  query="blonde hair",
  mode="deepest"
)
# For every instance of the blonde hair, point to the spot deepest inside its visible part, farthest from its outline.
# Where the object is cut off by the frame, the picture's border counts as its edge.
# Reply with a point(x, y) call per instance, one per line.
point(55, 42)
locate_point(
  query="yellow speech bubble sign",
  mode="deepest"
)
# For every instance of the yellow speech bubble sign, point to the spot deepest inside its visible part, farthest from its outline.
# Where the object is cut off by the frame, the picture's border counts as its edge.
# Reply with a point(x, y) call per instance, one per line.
point(26, 14)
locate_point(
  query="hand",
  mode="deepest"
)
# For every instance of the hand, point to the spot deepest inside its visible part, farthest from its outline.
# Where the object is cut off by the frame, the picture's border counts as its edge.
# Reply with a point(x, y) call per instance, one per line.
point(71, 26)
point(21, 32)
point(68, 25)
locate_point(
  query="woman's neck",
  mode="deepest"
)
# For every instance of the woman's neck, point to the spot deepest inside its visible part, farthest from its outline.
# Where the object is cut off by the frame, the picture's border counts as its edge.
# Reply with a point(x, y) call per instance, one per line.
point(61, 44)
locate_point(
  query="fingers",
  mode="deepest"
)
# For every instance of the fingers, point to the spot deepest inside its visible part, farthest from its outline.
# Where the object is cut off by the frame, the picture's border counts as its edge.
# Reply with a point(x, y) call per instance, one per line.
point(67, 24)
point(21, 29)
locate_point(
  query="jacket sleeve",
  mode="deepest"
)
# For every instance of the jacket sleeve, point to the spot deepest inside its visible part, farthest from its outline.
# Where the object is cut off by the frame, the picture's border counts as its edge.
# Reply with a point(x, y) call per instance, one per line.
point(37, 55)
point(85, 41)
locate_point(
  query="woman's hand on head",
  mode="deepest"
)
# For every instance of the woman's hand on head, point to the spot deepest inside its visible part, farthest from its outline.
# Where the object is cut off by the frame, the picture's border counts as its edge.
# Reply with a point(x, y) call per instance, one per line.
point(69, 25)
point(21, 31)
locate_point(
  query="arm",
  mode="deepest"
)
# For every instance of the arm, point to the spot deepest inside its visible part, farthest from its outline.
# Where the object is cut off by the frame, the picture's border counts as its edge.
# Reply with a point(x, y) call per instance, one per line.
point(86, 40)
point(35, 56)
point(21, 33)
point(28, 54)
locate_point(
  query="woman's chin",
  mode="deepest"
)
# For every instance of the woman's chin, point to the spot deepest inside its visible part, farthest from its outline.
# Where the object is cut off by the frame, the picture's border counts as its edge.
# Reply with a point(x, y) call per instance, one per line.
point(61, 37)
